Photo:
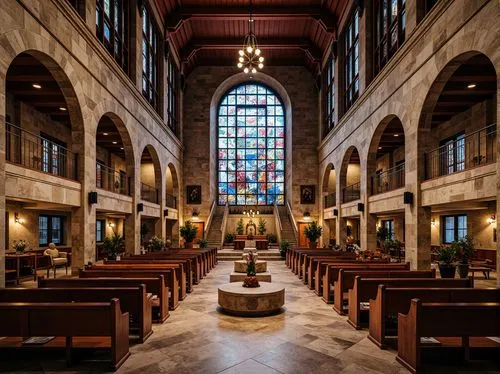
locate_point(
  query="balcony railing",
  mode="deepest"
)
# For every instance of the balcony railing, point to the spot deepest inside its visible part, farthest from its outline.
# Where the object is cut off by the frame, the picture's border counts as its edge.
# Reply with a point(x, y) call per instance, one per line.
point(171, 201)
point(330, 200)
point(149, 193)
point(475, 149)
point(389, 180)
point(351, 193)
point(112, 180)
point(37, 153)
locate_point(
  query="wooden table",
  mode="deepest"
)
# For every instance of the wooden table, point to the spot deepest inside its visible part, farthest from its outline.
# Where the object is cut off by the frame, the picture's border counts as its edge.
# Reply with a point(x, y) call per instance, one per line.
point(484, 270)
point(18, 258)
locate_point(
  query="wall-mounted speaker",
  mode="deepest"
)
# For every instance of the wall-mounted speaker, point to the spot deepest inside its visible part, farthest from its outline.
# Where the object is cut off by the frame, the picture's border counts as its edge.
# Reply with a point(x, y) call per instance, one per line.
point(408, 198)
point(336, 212)
point(140, 207)
point(92, 198)
point(361, 207)
point(165, 212)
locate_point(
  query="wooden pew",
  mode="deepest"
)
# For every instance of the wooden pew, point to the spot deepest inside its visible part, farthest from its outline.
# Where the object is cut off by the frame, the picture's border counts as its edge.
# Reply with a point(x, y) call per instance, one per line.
point(103, 320)
point(155, 285)
point(178, 268)
point(300, 258)
point(169, 277)
point(332, 272)
point(133, 300)
point(309, 265)
point(460, 320)
point(365, 289)
point(391, 301)
point(345, 282)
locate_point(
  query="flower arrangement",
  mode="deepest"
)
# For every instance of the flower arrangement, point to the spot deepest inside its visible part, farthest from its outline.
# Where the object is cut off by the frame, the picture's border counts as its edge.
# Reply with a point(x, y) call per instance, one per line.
point(20, 245)
point(251, 280)
point(156, 244)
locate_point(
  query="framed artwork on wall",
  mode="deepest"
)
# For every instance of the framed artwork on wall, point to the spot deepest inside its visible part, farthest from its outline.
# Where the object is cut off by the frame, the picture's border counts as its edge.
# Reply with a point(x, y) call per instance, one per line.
point(193, 194)
point(308, 194)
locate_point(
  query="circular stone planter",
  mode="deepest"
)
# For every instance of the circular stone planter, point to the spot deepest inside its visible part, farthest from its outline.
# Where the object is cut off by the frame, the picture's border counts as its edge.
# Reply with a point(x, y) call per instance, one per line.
point(240, 266)
point(267, 299)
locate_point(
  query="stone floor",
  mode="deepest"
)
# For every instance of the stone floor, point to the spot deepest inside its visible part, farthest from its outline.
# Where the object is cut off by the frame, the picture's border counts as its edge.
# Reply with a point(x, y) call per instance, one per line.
point(309, 337)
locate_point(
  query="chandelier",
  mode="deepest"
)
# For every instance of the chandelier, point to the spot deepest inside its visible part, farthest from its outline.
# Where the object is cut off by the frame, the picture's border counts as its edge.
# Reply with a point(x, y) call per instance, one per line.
point(250, 58)
point(250, 213)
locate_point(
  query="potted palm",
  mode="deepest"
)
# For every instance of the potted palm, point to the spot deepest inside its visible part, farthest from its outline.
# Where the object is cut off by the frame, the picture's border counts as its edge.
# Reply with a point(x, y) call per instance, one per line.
point(465, 250)
point(261, 227)
point(313, 232)
point(240, 228)
point(284, 245)
point(112, 245)
point(446, 256)
point(188, 233)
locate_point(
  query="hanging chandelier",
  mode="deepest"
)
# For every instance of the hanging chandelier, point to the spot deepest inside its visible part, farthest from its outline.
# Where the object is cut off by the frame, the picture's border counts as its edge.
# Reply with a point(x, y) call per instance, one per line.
point(250, 58)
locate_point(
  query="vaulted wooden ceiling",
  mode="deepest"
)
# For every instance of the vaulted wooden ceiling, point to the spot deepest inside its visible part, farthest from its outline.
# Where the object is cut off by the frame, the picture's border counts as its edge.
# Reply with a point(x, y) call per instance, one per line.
point(289, 32)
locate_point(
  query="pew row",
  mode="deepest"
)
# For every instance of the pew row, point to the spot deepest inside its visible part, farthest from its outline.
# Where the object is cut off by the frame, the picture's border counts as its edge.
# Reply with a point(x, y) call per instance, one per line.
point(456, 320)
point(391, 301)
point(365, 289)
point(101, 320)
point(154, 285)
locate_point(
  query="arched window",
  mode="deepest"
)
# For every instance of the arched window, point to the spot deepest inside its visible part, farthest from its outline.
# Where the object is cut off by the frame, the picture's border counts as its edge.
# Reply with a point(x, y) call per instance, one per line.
point(251, 147)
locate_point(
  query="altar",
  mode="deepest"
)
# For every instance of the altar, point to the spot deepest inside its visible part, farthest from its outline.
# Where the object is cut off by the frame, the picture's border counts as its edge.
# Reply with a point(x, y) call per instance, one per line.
point(246, 242)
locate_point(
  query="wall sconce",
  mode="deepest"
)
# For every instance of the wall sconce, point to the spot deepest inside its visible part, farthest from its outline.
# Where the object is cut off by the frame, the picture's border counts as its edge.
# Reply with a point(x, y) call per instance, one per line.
point(492, 219)
point(336, 212)
point(18, 219)
point(433, 222)
point(194, 215)
point(111, 224)
point(307, 215)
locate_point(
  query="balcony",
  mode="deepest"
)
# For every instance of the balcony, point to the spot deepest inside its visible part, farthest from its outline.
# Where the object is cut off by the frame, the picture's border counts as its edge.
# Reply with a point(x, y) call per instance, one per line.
point(389, 180)
point(351, 193)
point(171, 201)
point(37, 153)
point(330, 200)
point(467, 152)
point(149, 193)
point(112, 180)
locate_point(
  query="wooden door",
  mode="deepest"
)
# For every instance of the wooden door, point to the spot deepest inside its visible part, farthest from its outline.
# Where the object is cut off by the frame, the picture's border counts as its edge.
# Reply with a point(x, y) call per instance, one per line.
point(201, 230)
point(303, 242)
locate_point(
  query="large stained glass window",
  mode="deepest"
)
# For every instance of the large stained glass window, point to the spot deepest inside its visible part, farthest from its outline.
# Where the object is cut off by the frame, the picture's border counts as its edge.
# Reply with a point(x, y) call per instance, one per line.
point(251, 147)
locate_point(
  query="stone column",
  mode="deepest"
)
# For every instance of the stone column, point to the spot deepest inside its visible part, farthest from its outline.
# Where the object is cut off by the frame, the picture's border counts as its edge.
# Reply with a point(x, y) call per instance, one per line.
point(3, 222)
point(368, 230)
point(133, 221)
point(90, 15)
point(365, 46)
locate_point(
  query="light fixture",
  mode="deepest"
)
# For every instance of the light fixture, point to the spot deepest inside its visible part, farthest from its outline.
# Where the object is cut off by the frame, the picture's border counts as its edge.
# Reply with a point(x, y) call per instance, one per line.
point(37, 86)
point(433, 222)
point(111, 224)
point(115, 142)
point(471, 85)
point(396, 135)
point(250, 213)
point(492, 219)
point(121, 148)
point(62, 108)
point(379, 147)
point(307, 216)
point(105, 134)
point(250, 59)
point(18, 219)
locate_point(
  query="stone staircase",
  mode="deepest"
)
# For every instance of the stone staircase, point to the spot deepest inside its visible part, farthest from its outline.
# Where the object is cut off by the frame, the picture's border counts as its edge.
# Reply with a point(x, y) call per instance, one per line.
point(287, 232)
point(214, 236)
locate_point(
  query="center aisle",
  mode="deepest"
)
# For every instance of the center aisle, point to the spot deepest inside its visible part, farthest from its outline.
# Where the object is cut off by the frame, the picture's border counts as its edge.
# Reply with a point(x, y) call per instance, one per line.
point(309, 337)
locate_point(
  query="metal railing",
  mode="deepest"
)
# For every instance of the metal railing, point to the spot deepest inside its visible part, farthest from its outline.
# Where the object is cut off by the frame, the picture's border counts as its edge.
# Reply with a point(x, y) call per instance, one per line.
point(277, 222)
point(389, 179)
point(112, 180)
point(149, 193)
point(475, 149)
point(330, 200)
point(37, 153)
point(351, 193)
point(170, 201)
point(223, 226)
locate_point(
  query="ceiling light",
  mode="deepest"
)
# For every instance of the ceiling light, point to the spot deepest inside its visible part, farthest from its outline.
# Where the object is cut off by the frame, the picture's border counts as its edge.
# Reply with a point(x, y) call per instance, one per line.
point(254, 70)
point(115, 142)
point(241, 59)
point(257, 51)
point(261, 59)
point(261, 65)
point(472, 85)
point(245, 70)
point(62, 108)
point(240, 65)
point(105, 134)
point(36, 85)
point(250, 55)
point(241, 52)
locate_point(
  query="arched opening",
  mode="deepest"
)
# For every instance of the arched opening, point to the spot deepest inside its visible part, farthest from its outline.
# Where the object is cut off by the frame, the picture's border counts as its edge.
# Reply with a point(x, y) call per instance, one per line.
point(386, 157)
point(114, 172)
point(44, 133)
point(329, 189)
point(251, 147)
point(457, 132)
point(171, 202)
point(350, 176)
point(151, 182)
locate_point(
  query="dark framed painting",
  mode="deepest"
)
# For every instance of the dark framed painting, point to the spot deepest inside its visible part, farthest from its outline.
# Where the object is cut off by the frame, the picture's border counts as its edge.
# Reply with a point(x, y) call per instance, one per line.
point(308, 194)
point(193, 194)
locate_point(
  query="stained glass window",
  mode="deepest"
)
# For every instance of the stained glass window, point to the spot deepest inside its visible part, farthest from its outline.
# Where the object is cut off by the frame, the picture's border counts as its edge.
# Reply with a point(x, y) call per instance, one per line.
point(251, 147)
point(351, 73)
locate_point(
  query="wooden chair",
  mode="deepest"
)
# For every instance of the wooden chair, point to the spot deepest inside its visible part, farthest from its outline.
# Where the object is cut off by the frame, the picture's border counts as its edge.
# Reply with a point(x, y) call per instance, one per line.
point(56, 258)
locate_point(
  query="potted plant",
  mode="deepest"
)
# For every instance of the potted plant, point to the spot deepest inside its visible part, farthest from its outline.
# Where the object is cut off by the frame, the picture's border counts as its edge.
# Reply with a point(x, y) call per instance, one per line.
point(20, 246)
point(261, 226)
point(229, 238)
point(240, 228)
point(188, 233)
point(271, 238)
point(382, 235)
point(284, 245)
point(313, 232)
point(203, 242)
point(156, 244)
point(446, 256)
point(112, 245)
point(465, 250)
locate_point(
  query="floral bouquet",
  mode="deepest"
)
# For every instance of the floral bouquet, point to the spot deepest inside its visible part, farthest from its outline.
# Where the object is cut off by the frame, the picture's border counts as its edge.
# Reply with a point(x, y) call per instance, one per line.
point(20, 245)
point(251, 278)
